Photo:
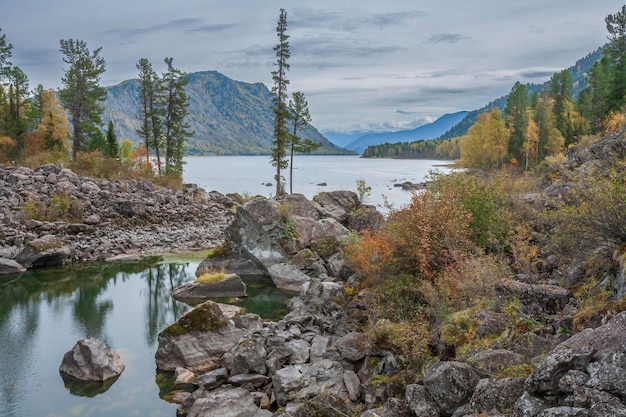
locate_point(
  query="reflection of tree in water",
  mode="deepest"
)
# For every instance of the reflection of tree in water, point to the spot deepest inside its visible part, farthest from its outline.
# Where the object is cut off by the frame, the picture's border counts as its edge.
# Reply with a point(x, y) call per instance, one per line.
point(162, 309)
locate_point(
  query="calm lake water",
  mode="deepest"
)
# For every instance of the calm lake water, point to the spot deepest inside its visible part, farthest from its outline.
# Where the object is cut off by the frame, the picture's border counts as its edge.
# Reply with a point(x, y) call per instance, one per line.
point(249, 174)
point(44, 312)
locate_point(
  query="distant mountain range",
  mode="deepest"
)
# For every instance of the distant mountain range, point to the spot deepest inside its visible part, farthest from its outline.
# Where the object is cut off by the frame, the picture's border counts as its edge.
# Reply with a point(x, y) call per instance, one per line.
point(228, 117)
point(428, 131)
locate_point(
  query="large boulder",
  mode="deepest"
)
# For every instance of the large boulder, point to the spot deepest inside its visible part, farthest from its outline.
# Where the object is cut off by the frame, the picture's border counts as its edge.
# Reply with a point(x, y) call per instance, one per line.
point(287, 276)
point(92, 360)
point(198, 340)
point(230, 286)
point(497, 394)
point(420, 401)
point(301, 382)
point(236, 402)
point(545, 379)
point(9, 266)
point(256, 232)
point(337, 204)
point(47, 250)
point(604, 340)
point(534, 298)
point(450, 384)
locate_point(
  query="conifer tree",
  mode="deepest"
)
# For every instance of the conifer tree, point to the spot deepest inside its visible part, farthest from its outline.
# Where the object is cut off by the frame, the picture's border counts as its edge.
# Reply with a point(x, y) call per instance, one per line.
point(300, 118)
point(151, 110)
point(279, 99)
point(616, 50)
point(517, 118)
point(82, 95)
point(175, 128)
point(113, 148)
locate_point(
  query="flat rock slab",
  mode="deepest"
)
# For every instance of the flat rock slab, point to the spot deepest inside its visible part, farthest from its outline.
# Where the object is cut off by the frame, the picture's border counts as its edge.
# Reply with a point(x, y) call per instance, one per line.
point(230, 286)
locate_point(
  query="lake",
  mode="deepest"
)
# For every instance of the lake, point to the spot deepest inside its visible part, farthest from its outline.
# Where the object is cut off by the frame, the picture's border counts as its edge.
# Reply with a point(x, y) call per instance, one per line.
point(250, 174)
point(44, 312)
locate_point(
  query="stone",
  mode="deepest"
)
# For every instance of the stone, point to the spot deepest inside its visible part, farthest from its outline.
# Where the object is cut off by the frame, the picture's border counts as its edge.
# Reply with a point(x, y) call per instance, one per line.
point(496, 394)
point(564, 411)
point(92, 360)
point(197, 340)
point(254, 380)
point(545, 378)
point(534, 298)
point(353, 384)
point(604, 340)
point(300, 351)
point(9, 266)
point(231, 286)
point(420, 401)
point(301, 382)
point(236, 402)
point(607, 409)
point(249, 356)
point(490, 322)
point(212, 379)
point(355, 346)
point(337, 204)
point(366, 217)
point(183, 376)
point(287, 276)
point(528, 405)
point(47, 250)
point(451, 384)
point(497, 359)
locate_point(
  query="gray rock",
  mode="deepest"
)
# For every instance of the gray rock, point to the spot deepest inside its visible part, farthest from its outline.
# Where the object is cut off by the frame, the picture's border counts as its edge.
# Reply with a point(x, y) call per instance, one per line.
point(230, 286)
point(534, 299)
point(9, 266)
point(564, 411)
point(300, 351)
point(92, 360)
point(197, 340)
point(183, 376)
point(236, 402)
point(608, 377)
point(212, 379)
point(451, 384)
point(287, 276)
point(420, 401)
point(337, 204)
point(47, 250)
point(365, 217)
point(254, 380)
point(607, 409)
point(249, 356)
point(604, 340)
point(528, 405)
point(300, 382)
point(355, 346)
point(300, 206)
point(319, 346)
point(497, 359)
point(545, 379)
point(353, 385)
point(497, 394)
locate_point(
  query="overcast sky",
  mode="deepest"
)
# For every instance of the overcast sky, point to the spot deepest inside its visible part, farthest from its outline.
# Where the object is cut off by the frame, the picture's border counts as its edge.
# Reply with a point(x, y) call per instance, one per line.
point(382, 65)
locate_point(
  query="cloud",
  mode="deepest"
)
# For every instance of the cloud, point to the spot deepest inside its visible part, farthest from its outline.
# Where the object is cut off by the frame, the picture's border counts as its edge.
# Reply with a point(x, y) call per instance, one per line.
point(446, 38)
point(191, 24)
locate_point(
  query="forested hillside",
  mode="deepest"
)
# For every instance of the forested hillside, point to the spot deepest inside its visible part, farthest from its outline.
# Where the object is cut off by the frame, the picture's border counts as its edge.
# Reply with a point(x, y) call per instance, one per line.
point(228, 117)
point(579, 71)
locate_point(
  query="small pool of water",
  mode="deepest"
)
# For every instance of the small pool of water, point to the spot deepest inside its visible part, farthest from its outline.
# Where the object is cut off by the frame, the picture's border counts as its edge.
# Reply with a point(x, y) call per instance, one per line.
point(44, 312)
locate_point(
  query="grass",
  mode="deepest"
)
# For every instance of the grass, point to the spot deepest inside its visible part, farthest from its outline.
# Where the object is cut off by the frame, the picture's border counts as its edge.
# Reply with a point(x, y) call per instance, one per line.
point(211, 278)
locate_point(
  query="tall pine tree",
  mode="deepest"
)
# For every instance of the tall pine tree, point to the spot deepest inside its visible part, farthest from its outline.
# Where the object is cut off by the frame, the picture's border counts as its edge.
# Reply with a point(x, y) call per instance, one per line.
point(151, 110)
point(616, 50)
point(82, 96)
point(279, 99)
point(300, 118)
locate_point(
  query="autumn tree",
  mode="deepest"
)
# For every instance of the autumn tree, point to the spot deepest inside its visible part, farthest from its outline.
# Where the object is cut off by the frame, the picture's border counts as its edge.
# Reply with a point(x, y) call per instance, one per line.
point(82, 95)
point(517, 118)
point(151, 110)
point(54, 127)
point(300, 118)
point(175, 127)
point(530, 148)
point(279, 100)
point(486, 144)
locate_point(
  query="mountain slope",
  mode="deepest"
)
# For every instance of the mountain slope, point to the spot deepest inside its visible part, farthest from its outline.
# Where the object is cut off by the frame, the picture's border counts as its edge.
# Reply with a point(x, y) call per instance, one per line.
point(427, 131)
point(579, 70)
point(228, 117)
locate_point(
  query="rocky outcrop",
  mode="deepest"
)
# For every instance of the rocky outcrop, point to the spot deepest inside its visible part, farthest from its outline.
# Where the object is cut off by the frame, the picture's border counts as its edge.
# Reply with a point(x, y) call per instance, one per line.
point(92, 360)
point(9, 266)
point(197, 340)
point(83, 218)
point(196, 291)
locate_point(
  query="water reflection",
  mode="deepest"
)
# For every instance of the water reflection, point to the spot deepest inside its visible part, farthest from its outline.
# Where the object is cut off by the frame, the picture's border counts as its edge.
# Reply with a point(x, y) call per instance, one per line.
point(44, 312)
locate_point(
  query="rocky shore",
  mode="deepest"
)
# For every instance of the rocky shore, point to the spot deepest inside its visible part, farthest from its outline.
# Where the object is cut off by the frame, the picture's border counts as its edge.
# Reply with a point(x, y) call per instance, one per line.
point(51, 216)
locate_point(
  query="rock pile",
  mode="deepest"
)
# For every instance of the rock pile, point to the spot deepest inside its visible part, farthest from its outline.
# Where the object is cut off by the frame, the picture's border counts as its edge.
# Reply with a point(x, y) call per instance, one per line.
point(50, 216)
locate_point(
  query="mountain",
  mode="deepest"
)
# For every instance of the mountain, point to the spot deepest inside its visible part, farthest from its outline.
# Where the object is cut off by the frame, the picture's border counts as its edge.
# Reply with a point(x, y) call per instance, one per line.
point(228, 117)
point(579, 70)
point(427, 131)
point(342, 139)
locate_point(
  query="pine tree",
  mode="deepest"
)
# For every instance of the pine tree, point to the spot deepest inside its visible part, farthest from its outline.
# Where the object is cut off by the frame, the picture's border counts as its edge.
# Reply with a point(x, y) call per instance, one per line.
point(113, 148)
point(616, 50)
point(300, 118)
point(151, 110)
point(82, 96)
point(176, 129)
point(279, 99)
point(517, 118)
point(6, 51)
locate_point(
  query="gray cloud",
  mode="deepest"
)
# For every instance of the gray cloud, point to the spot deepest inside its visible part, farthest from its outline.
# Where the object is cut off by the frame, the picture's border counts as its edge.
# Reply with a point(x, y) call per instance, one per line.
point(447, 38)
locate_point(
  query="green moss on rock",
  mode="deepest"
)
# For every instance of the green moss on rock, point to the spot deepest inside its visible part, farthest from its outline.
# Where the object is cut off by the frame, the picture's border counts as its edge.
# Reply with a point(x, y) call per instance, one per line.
point(206, 317)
